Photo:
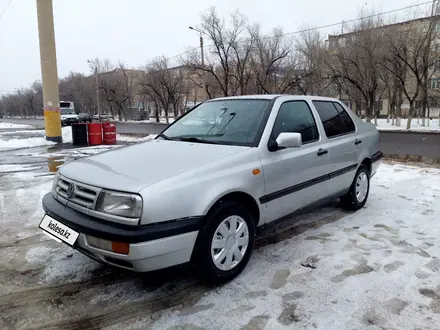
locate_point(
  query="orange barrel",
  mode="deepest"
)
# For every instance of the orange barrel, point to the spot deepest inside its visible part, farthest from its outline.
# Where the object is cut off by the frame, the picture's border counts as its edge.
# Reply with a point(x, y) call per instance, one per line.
point(95, 133)
point(109, 132)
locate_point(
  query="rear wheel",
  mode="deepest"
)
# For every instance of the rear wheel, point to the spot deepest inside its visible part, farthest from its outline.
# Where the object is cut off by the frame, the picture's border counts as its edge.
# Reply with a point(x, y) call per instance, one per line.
point(225, 245)
point(359, 190)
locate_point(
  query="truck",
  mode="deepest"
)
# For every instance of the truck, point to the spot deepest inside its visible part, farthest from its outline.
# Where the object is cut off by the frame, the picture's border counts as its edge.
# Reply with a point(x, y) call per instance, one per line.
point(68, 113)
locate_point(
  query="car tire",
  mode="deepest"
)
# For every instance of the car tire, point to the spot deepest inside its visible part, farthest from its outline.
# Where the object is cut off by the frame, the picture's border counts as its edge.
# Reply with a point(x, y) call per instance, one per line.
point(359, 190)
point(220, 255)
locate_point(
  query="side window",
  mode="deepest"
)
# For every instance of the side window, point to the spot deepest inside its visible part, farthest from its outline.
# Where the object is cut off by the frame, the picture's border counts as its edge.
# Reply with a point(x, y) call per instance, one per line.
point(345, 117)
point(296, 117)
point(332, 121)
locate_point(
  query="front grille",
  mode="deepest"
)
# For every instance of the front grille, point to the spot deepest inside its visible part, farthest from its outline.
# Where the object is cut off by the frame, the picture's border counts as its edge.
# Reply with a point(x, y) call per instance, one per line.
point(83, 194)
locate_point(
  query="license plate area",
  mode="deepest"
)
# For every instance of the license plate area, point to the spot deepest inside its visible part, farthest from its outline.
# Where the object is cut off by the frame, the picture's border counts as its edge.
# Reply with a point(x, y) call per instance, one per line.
point(58, 230)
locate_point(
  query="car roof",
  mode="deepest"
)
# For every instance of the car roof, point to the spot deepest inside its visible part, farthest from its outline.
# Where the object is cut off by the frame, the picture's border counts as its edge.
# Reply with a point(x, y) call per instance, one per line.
point(273, 96)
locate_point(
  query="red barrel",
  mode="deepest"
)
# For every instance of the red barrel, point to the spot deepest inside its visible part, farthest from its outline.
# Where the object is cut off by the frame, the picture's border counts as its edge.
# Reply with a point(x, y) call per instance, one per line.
point(109, 132)
point(95, 133)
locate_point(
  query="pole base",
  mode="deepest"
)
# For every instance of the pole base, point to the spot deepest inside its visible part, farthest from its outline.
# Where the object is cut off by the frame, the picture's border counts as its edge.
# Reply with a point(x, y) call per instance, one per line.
point(57, 139)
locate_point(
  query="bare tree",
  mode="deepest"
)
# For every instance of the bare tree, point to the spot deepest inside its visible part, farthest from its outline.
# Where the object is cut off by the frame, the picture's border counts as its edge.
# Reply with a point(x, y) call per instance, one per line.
point(312, 54)
point(410, 49)
point(269, 61)
point(357, 58)
point(227, 60)
point(117, 85)
point(164, 86)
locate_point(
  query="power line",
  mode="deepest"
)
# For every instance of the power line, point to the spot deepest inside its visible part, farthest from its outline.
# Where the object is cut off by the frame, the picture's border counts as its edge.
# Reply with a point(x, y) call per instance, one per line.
point(352, 20)
point(323, 26)
point(6, 8)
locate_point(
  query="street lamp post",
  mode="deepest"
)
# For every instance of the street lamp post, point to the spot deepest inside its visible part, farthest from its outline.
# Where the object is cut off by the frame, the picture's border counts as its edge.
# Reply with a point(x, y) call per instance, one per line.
point(202, 57)
point(98, 104)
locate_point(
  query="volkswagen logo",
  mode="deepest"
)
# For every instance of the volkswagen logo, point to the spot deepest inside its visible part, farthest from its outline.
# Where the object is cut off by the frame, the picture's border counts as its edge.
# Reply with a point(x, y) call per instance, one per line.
point(70, 190)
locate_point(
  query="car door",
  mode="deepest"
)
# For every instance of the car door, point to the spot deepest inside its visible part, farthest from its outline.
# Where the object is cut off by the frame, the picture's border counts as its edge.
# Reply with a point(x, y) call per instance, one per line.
point(294, 177)
point(341, 143)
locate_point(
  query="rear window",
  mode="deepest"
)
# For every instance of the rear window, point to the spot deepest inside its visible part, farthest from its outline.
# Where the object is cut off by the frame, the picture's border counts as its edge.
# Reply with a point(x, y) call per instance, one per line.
point(336, 121)
point(64, 104)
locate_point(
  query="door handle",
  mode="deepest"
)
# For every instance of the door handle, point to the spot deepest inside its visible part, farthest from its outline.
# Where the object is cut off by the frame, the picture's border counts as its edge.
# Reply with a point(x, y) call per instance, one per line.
point(322, 152)
point(357, 141)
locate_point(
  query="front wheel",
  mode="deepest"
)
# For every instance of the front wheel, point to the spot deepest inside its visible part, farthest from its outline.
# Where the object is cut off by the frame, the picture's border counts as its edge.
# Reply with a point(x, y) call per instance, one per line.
point(359, 190)
point(225, 245)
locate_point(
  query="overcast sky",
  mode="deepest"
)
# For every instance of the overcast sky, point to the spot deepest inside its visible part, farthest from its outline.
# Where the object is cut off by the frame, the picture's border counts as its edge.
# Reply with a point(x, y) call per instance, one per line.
point(135, 31)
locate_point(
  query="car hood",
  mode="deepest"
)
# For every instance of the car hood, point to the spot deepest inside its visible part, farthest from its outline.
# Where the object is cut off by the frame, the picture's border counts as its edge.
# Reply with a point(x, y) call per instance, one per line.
point(135, 167)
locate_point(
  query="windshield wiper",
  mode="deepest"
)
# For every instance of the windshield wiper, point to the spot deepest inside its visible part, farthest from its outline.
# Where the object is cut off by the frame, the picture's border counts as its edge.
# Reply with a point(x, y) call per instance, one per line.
point(163, 136)
point(194, 139)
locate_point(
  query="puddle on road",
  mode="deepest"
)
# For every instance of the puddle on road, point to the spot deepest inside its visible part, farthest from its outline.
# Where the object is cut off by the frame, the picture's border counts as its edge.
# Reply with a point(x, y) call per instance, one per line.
point(54, 163)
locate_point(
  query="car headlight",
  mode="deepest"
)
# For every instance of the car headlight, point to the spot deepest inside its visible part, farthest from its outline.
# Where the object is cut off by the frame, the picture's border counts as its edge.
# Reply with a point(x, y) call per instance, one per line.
point(121, 204)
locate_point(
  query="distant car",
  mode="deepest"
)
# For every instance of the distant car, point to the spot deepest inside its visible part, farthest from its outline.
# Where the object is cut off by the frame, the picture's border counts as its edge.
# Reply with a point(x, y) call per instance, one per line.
point(67, 113)
point(102, 116)
point(84, 117)
point(199, 191)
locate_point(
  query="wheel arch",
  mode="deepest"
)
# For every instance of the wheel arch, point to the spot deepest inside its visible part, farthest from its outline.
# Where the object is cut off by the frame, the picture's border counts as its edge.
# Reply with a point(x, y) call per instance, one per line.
point(367, 163)
point(242, 198)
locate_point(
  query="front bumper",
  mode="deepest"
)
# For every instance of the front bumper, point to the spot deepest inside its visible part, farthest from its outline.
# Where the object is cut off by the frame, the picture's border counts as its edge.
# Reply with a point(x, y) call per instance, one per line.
point(69, 121)
point(152, 247)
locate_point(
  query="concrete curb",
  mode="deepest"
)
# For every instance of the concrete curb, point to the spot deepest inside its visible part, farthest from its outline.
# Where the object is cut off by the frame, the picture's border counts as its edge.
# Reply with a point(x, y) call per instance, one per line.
point(412, 158)
point(408, 131)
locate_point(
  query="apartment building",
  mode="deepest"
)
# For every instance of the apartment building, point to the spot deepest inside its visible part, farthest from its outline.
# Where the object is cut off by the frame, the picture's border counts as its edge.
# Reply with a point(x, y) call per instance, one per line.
point(381, 105)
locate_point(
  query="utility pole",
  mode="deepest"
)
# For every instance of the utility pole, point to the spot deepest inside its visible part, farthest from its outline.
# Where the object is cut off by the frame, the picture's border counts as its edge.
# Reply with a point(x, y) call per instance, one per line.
point(203, 60)
point(49, 72)
point(98, 103)
point(203, 63)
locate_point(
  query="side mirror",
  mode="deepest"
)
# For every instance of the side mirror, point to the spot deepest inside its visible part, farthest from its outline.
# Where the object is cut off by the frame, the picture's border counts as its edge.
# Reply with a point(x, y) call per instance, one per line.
point(289, 140)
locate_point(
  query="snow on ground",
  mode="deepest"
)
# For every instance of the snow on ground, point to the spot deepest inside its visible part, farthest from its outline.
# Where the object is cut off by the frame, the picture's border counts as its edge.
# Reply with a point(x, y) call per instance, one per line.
point(30, 142)
point(375, 269)
point(11, 168)
point(162, 120)
point(10, 125)
point(416, 125)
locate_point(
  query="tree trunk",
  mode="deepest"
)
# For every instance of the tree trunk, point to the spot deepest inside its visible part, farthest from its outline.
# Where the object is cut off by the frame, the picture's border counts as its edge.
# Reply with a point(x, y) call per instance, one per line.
point(167, 120)
point(410, 115)
point(119, 114)
point(398, 110)
point(369, 111)
point(157, 111)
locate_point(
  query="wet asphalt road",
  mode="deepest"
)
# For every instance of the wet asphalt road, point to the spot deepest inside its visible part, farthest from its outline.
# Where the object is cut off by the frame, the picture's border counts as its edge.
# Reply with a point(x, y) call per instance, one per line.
point(391, 143)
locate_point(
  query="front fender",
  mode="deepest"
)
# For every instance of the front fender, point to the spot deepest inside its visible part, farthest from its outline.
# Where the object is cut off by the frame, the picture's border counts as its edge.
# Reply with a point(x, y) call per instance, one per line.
point(193, 193)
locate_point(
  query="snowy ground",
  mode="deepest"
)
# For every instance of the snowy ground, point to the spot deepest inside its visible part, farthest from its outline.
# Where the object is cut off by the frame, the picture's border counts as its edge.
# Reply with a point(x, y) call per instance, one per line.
point(17, 139)
point(416, 125)
point(152, 120)
point(22, 139)
point(375, 269)
point(10, 125)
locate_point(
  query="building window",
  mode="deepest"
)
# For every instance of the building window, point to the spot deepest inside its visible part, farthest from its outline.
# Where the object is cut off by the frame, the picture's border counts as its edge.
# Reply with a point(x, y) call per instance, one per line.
point(342, 42)
point(435, 83)
point(437, 27)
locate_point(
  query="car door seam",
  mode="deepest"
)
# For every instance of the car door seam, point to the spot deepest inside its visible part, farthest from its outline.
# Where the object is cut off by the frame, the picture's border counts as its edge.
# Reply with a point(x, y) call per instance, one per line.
point(306, 184)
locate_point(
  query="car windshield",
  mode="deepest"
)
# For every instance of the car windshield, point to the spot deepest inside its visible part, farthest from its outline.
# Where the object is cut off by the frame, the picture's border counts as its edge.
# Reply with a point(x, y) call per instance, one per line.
point(233, 122)
point(67, 111)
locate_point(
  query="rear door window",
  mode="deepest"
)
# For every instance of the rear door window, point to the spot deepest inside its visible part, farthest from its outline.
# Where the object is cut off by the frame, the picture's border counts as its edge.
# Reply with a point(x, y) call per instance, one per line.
point(345, 117)
point(332, 120)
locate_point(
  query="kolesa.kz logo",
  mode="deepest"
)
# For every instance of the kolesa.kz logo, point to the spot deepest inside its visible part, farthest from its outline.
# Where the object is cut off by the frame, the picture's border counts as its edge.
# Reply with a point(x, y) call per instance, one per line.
point(58, 230)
